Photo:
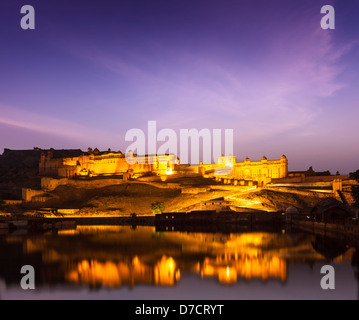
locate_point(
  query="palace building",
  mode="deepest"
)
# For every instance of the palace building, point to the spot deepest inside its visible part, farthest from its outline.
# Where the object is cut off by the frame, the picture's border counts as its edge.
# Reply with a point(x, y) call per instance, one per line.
point(96, 163)
point(260, 171)
point(109, 163)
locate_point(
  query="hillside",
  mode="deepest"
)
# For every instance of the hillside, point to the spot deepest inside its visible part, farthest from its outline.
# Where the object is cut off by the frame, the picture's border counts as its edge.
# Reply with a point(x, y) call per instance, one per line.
point(19, 169)
point(275, 200)
point(137, 197)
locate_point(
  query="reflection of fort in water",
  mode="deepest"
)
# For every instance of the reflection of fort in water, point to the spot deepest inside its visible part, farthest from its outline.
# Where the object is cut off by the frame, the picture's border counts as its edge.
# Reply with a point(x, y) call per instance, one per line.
point(208, 255)
point(114, 256)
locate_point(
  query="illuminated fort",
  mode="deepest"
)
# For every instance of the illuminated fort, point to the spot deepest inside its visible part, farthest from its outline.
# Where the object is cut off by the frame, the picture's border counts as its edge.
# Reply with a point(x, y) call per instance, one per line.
point(260, 171)
point(56, 169)
point(95, 163)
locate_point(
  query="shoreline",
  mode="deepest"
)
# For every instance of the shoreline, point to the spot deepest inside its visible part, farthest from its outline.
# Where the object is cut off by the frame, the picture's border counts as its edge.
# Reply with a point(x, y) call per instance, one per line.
point(347, 231)
point(119, 220)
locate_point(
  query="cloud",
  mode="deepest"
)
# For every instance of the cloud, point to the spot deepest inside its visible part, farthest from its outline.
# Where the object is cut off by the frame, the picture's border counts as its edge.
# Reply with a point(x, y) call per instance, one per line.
point(277, 91)
point(48, 125)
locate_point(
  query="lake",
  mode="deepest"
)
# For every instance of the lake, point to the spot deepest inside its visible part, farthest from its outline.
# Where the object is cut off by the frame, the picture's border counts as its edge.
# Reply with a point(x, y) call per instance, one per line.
point(130, 263)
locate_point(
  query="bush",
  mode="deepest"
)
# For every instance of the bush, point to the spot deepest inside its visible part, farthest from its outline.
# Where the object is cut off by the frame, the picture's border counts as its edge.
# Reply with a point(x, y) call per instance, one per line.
point(157, 207)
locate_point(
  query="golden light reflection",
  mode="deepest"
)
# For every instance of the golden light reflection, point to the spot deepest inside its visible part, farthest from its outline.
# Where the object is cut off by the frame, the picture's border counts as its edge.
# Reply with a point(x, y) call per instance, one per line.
point(227, 275)
point(67, 232)
point(166, 271)
point(115, 256)
point(111, 274)
point(94, 273)
point(261, 267)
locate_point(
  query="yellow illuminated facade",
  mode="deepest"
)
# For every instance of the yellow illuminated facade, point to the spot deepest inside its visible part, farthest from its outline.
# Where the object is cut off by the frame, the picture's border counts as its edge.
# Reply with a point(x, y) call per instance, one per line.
point(96, 163)
point(261, 171)
point(92, 164)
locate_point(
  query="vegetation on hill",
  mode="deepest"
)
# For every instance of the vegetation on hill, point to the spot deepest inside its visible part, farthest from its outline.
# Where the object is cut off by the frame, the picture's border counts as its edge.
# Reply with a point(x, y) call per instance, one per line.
point(157, 207)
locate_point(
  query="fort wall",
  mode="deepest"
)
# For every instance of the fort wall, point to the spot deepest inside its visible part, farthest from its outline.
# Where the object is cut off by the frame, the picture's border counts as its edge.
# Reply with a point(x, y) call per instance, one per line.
point(261, 172)
point(96, 163)
point(92, 164)
point(50, 184)
point(28, 194)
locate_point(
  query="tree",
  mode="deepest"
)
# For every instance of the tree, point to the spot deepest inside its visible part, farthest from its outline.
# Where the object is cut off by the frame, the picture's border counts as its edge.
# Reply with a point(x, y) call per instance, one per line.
point(158, 207)
point(355, 188)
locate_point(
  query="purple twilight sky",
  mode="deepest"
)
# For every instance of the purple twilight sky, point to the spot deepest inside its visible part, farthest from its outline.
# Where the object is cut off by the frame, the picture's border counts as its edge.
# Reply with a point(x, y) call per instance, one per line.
point(91, 70)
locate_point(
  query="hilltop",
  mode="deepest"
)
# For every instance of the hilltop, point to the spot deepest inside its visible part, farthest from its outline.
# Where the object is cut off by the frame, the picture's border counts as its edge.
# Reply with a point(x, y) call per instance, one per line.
point(137, 197)
point(19, 169)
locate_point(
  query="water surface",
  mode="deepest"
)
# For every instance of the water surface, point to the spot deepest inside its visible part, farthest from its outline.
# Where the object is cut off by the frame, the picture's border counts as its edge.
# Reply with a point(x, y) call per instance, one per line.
point(123, 262)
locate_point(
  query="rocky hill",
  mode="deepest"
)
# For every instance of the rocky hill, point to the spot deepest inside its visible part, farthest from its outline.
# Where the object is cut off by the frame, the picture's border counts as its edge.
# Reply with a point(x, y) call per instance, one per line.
point(137, 197)
point(19, 169)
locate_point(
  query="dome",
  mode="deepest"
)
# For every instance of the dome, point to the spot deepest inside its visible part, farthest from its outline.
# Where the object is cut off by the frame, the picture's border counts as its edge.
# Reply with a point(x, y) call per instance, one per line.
point(291, 210)
point(264, 158)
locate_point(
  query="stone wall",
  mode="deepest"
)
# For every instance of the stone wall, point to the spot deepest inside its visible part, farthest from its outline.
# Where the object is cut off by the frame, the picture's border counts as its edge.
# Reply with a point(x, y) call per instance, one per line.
point(93, 183)
point(49, 184)
point(325, 178)
point(194, 190)
point(28, 194)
